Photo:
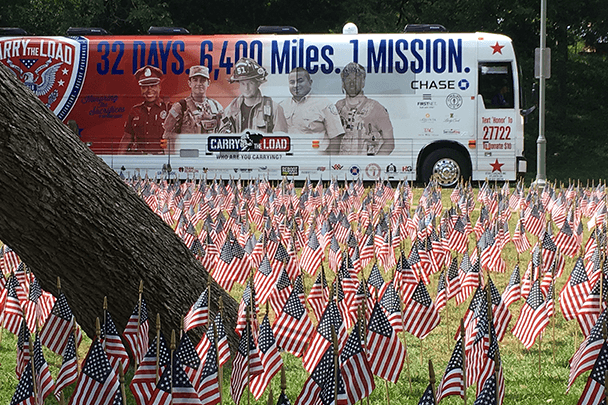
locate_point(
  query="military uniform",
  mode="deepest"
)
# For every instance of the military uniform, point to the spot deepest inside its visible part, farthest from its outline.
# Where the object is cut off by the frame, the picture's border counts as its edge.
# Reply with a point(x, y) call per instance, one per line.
point(264, 116)
point(145, 126)
point(191, 117)
point(367, 127)
point(312, 115)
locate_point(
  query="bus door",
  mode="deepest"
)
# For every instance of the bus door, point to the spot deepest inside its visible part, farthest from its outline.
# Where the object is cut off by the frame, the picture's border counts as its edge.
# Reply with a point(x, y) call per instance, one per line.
point(497, 120)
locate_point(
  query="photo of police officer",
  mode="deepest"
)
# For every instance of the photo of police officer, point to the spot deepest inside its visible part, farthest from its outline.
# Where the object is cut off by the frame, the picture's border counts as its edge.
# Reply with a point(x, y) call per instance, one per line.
point(144, 126)
point(367, 126)
point(251, 109)
point(197, 113)
point(308, 114)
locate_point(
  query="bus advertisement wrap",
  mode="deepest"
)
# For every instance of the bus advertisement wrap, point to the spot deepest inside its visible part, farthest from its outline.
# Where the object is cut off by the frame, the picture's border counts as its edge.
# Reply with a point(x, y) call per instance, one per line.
point(396, 106)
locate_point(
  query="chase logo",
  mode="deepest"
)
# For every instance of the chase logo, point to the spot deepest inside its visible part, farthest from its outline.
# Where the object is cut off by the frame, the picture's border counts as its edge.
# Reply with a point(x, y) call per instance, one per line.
point(54, 69)
point(463, 84)
point(249, 142)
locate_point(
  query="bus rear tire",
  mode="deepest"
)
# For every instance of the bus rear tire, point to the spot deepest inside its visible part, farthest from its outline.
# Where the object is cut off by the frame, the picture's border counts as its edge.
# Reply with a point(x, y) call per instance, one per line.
point(445, 166)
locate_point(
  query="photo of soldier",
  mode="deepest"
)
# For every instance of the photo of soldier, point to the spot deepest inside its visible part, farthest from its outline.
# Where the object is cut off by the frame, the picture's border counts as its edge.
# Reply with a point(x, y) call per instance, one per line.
point(144, 126)
point(251, 109)
point(307, 114)
point(197, 113)
point(367, 126)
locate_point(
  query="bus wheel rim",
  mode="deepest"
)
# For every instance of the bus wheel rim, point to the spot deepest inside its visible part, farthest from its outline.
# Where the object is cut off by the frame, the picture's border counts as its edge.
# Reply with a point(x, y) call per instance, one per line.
point(446, 172)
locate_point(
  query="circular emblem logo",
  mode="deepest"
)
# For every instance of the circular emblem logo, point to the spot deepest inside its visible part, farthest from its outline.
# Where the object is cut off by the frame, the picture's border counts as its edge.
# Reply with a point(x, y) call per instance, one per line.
point(454, 101)
point(354, 170)
point(163, 114)
point(391, 168)
point(463, 84)
point(373, 170)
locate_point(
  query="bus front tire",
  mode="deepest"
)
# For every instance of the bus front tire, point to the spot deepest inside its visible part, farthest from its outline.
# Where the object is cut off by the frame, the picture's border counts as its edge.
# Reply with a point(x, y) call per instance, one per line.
point(445, 166)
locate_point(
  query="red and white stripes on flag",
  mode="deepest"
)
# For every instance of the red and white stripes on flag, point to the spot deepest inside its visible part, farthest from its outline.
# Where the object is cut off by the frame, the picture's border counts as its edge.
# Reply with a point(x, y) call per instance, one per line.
point(386, 353)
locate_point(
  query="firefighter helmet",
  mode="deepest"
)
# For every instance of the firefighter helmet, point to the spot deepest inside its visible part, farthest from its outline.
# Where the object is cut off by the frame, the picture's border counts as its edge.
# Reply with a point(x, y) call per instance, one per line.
point(247, 68)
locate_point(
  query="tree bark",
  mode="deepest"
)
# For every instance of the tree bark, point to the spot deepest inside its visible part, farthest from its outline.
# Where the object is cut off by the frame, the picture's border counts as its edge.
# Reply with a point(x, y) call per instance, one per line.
point(68, 215)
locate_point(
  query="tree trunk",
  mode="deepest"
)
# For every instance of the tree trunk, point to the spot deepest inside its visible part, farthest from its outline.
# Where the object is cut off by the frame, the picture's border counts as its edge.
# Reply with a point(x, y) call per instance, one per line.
point(68, 215)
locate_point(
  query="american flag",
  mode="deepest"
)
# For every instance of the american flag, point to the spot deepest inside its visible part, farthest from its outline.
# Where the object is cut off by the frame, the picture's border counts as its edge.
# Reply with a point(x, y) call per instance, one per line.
point(280, 292)
point(209, 392)
point(174, 387)
point(586, 355)
point(501, 314)
point(594, 392)
point(319, 295)
point(458, 237)
point(312, 254)
point(44, 381)
point(452, 382)
point(322, 337)
point(191, 362)
point(391, 303)
point(520, 240)
point(533, 317)
point(420, 315)
point(270, 357)
point(471, 279)
point(549, 250)
point(376, 282)
point(137, 329)
point(223, 349)
point(225, 266)
point(386, 354)
point(97, 384)
point(23, 348)
point(13, 313)
point(588, 313)
point(575, 291)
point(198, 315)
point(11, 260)
point(247, 305)
point(144, 381)
point(112, 344)
point(356, 372)
point(68, 373)
point(59, 326)
point(320, 387)
point(453, 279)
point(427, 397)
point(245, 366)
point(487, 396)
point(264, 279)
point(24, 394)
point(293, 327)
point(441, 298)
point(38, 306)
point(512, 292)
point(567, 241)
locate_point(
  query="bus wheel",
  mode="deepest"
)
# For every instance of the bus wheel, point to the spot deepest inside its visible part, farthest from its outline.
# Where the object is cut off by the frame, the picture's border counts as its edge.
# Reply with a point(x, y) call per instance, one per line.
point(445, 166)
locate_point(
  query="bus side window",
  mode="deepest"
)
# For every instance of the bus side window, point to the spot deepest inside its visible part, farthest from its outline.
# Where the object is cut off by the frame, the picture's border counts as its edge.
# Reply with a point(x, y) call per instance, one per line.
point(496, 84)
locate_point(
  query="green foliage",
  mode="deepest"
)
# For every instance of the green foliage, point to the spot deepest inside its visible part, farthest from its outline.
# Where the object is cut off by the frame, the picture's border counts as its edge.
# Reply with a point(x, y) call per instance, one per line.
point(575, 105)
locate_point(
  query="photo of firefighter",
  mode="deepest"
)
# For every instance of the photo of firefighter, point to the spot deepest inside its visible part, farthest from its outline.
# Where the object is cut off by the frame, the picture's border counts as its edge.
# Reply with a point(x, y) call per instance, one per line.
point(367, 126)
point(144, 129)
point(251, 109)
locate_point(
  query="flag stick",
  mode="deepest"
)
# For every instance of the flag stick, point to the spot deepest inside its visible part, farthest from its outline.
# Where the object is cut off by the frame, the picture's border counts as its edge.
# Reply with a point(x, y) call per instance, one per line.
point(464, 364)
point(248, 350)
point(156, 373)
point(334, 339)
point(137, 348)
point(217, 359)
point(121, 379)
point(32, 363)
point(173, 346)
point(432, 379)
point(105, 320)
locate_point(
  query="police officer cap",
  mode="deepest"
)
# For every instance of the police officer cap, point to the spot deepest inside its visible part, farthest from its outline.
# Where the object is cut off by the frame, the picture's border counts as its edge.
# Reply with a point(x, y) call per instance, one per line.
point(199, 71)
point(247, 68)
point(148, 75)
point(352, 68)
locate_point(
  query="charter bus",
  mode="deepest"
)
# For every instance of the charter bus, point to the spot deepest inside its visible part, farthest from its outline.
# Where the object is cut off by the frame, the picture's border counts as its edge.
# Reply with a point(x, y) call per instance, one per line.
point(411, 105)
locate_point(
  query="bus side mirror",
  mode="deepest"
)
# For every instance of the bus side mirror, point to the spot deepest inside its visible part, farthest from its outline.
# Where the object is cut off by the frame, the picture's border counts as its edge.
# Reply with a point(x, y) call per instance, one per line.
point(527, 111)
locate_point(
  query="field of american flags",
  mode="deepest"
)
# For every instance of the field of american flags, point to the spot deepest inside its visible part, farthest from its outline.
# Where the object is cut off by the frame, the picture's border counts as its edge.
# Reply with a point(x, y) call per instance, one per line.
point(523, 383)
